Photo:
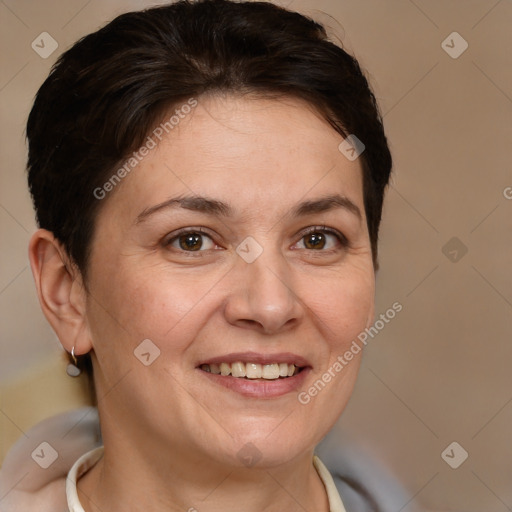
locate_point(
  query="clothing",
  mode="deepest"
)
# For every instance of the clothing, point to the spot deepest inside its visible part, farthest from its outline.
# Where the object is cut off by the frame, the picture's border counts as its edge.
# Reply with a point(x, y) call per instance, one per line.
point(89, 459)
point(359, 476)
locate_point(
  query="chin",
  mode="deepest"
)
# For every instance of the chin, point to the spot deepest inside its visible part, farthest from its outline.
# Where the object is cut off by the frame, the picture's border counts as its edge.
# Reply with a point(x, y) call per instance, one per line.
point(267, 451)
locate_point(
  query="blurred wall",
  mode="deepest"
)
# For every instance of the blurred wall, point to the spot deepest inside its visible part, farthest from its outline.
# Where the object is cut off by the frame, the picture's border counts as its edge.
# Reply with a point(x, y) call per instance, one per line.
point(439, 372)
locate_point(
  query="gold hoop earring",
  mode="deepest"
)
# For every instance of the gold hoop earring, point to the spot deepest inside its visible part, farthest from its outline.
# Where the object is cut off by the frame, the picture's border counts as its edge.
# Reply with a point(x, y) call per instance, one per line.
point(72, 369)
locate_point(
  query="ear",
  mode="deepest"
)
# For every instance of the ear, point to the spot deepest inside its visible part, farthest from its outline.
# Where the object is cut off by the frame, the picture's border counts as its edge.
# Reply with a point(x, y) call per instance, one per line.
point(60, 290)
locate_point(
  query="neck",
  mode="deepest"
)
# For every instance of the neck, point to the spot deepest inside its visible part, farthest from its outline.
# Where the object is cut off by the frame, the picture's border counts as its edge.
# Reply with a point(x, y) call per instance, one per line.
point(139, 477)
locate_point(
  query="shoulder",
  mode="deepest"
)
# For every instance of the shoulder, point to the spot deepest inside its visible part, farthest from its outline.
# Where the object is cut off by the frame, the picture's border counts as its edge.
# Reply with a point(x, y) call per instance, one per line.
point(51, 497)
point(364, 482)
point(33, 473)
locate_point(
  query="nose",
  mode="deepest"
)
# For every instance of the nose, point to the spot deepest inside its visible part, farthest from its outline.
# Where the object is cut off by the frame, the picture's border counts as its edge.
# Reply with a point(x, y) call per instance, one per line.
point(262, 295)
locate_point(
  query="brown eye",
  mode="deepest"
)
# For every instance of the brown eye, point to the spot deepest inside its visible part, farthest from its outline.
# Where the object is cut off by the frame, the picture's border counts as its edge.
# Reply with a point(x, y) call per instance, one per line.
point(191, 241)
point(315, 241)
point(323, 239)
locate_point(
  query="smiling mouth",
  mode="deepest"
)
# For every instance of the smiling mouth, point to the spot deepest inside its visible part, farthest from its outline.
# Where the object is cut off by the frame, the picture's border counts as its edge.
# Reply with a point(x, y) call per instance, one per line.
point(251, 371)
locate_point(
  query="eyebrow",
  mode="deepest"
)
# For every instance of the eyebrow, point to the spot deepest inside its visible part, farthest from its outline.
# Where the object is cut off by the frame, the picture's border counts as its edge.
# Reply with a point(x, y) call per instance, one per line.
point(221, 209)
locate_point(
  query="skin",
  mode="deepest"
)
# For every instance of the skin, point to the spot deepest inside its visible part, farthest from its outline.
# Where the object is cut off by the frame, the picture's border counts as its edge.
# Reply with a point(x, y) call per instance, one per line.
point(171, 435)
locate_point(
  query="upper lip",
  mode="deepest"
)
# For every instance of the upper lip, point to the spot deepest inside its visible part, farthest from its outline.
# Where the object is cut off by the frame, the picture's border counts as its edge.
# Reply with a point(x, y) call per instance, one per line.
point(256, 357)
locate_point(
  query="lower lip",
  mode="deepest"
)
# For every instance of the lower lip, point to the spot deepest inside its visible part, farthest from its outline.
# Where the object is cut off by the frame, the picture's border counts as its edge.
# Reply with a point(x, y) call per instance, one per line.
point(259, 388)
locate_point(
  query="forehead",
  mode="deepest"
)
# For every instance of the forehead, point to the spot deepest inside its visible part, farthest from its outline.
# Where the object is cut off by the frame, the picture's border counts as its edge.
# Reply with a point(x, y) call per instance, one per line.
point(261, 155)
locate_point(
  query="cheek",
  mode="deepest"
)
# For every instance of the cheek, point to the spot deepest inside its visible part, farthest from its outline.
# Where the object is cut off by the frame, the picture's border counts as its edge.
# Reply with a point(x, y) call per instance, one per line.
point(344, 306)
point(341, 308)
point(146, 302)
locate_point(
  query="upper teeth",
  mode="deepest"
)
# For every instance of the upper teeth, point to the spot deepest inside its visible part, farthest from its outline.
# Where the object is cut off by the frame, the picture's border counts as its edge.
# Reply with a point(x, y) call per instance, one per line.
point(252, 370)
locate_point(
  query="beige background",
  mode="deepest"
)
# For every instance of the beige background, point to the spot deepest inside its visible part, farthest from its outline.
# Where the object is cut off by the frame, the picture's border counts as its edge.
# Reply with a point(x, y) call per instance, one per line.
point(440, 371)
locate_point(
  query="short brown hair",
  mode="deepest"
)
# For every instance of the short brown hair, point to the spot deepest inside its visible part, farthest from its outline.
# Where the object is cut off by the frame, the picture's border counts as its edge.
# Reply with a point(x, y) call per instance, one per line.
point(105, 94)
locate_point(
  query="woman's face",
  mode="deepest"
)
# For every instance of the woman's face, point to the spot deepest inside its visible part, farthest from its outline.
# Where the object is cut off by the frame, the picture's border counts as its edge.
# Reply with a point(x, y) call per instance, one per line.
point(270, 273)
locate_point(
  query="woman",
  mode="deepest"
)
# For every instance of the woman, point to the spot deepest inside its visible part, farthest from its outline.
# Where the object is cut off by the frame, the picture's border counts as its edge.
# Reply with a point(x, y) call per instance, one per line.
point(208, 179)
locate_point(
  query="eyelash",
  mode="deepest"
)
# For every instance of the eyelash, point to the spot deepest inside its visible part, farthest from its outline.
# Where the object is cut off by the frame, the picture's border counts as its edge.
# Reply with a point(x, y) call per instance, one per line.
point(342, 239)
